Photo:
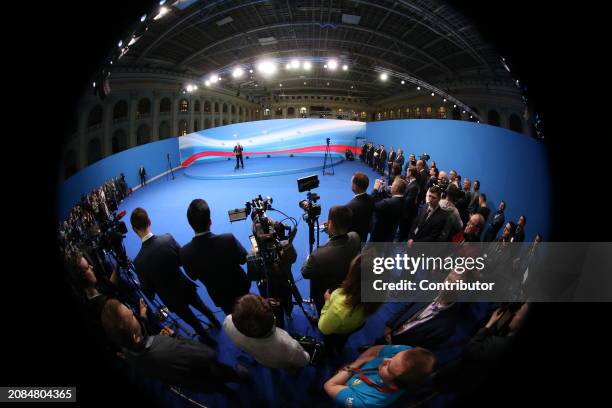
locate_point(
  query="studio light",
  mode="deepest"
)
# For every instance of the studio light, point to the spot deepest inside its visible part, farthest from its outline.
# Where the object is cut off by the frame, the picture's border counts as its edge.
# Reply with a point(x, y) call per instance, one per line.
point(162, 12)
point(403, 82)
point(454, 106)
point(143, 18)
point(345, 67)
point(433, 94)
point(418, 88)
point(384, 76)
point(213, 78)
point(266, 67)
point(237, 72)
point(120, 44)
point(332, 64)
point(307, 65)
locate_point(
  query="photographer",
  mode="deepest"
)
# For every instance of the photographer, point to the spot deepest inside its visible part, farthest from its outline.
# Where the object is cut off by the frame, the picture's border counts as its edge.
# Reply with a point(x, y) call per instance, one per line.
point(328, 265)
point(387, 211)
point(214, 259)
point(252, 328)
point(158, 268)
point(175, 361)
point(95, 288)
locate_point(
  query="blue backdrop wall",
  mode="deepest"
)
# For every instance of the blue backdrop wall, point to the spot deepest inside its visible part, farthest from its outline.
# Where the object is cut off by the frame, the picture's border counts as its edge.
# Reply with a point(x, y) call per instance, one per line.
point(150, 155)
point(510, 166)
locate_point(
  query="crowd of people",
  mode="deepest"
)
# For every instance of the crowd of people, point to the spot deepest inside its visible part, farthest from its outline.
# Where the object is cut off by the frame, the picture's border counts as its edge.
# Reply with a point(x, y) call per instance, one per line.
point(413, 201)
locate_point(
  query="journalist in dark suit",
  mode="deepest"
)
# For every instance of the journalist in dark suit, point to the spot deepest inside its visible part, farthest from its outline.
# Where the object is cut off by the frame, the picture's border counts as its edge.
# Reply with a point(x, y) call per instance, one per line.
point(362, 206)
point(214, 259)
point(411, 206)
point(329, 264)
point(158, 268)
point(387, 210)
point(428, 226)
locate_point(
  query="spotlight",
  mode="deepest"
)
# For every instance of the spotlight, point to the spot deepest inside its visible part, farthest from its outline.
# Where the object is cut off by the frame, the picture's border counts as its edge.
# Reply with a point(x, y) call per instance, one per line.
point(345, 67)
point(281, 85)
point(352, 87)
point(295, 63)
point(120, 44)
point(433, 94)
point(288, 66)
point(304, 83)
point(332, 64)
point(207, 82)
point(213, 78)
point(328, 84)
point(418, 88)
point(250, 71)
point(325, 66)
point(266, 67)
point(463, 111)
point(403, 82)
point(143, 18)
point(384, 76)
point(162, 12)
point(454, 106)
point(307, 65)
point(238, 72)
point(444, 100)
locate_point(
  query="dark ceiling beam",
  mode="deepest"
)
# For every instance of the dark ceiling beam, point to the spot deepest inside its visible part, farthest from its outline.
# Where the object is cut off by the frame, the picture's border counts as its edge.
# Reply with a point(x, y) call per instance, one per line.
point(388, 37)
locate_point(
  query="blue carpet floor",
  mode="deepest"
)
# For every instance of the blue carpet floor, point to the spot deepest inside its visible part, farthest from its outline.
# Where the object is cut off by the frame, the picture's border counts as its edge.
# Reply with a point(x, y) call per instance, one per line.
point(166, 202)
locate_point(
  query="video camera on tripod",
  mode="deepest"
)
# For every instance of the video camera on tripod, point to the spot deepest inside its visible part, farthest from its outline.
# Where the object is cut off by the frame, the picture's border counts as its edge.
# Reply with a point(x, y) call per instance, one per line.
point(312, 210)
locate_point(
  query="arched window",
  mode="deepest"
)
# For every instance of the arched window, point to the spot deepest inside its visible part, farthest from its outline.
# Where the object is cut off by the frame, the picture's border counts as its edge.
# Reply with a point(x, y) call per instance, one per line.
point(428, 112)
point(391, 114)
point(119, 141)
point(182, 127)
point(144, 107)
point(441, 112)
point(143, 134)
point(224, 122)
point(266, 112)
point(94, 151)
point(197, 106)
point(95, 116)
point(417, 113)
point(303, 111)
point(291, 111)
point(233, 110)
point(70, 163)
point(165, 105)
point(196, 125)
point(164, 130)
point(278, 112)
point(407, 113)
point(206, 123)
point(515, 123)
point(206, 107)
point(216, 107)
point(240, 110)
point(183, 106)
point(493, 118)
point(120, 110)
point(364, 115)
point(224, 108)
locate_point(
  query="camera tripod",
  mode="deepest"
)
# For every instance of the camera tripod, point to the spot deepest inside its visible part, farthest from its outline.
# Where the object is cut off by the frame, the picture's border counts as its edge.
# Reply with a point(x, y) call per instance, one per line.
point(331, 161)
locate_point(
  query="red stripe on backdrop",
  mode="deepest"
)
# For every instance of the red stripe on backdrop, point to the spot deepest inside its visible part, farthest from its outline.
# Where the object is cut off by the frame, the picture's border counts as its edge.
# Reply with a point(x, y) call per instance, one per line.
point(308, 149)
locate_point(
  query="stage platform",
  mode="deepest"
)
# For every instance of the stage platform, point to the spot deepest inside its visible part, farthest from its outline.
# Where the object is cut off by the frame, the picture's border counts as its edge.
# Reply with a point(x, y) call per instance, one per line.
point(256, 167)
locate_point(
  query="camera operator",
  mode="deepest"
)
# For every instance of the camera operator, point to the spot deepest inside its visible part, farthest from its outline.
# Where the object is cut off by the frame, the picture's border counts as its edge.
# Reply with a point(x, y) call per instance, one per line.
point(362, 206)
point(328, 265)
point(252, 328)
point(158, 268)
point(175, 361)
point(214, 259)
point(387, 210)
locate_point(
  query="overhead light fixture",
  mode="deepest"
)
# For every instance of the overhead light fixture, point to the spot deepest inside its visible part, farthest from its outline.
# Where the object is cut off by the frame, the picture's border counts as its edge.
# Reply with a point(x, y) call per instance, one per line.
point(332, 64)
point(250, 71)
point(345, 67)
point(307, 65)
point(266, 67)
point(454, 106)
point(120, 44)
point(143, 18)
point(444, 100)
point(418, 88)
point(162, 12)
point(352, 87)
point(281, 85)
point(237, 72)
point(213, 78)
point(403, 82)
point(328, 84)
point(384, 76)
point(433, 94)
point(295, 63)
point(288, 66)
point(304, 83)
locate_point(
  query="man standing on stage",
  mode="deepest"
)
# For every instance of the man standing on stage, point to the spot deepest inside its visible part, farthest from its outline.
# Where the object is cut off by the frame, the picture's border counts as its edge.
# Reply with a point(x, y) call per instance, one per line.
point(238, 152)
point(143, 175)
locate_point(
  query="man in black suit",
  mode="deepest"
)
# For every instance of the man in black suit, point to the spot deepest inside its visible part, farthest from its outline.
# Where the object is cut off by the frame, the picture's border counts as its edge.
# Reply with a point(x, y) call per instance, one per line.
point(142, 173)
point(214, 259)
point(329, 264)
point(399, 159)
point(428, 226)
point(158, 268)
point(387, 210)
point(362, 206)
point(519, 232)
point(421, 178)
point(173, 360)
point(482, 207)
point(238, 153)
point(382, 160)
point(411, 206)
point(496, 223)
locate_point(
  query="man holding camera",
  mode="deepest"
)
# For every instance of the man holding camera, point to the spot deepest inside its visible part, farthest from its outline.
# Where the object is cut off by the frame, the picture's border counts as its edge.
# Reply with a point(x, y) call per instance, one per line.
point(214, 259)
point(328, 265)
point(158, 268)
point(387, 210)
